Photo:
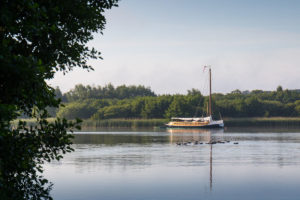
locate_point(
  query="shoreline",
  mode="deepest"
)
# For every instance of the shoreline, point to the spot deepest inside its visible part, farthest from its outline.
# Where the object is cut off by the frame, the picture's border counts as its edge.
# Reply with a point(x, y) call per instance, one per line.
point(271, 122)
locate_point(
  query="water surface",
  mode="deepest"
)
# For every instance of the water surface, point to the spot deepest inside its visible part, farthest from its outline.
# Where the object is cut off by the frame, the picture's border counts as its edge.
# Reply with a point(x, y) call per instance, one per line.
point(265, 164)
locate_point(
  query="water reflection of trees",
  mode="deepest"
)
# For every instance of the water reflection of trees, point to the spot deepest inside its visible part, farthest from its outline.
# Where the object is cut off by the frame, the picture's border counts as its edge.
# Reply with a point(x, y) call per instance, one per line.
point(110, 162)
point(253, 152)
point(116, 139)
point(173, 136)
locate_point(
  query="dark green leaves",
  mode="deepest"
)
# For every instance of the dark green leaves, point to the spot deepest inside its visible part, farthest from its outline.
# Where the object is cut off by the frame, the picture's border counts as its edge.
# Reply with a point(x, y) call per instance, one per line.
point(38, 38)
point(24, 149)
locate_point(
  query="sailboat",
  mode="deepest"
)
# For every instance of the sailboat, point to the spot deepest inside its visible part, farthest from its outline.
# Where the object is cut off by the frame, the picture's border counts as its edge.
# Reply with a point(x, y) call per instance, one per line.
point(197, 122)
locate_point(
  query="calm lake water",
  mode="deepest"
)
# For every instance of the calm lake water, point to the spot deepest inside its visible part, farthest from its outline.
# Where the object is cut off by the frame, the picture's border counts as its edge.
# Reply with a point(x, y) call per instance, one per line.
point(265, 164)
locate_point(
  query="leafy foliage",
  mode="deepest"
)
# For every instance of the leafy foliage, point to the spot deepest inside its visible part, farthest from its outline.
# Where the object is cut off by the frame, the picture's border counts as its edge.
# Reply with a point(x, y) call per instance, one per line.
point(38, 38)
point(256, 103)
point(81, 92)
point(24, 149)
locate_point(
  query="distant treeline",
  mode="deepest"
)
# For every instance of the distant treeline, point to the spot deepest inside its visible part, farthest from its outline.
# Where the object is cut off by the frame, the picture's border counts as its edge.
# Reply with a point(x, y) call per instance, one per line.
point(81, 92)
point(109, 102)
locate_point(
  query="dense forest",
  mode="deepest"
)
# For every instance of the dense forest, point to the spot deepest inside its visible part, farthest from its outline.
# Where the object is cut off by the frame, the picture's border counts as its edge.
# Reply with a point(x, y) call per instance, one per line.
point(108, 102)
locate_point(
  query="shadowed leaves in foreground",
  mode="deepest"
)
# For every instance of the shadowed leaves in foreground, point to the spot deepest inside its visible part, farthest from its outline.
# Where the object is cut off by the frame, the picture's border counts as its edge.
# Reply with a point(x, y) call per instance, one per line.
point(37, 39)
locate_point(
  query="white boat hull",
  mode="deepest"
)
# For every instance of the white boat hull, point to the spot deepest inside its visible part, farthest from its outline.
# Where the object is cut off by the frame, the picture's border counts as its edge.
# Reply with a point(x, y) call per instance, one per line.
point(211, 124)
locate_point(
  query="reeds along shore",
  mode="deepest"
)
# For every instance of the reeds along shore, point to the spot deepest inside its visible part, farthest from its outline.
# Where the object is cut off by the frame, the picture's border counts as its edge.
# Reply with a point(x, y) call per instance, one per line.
point(283, 122)
point(229, 122)
point(123, 123)
point(286, 122)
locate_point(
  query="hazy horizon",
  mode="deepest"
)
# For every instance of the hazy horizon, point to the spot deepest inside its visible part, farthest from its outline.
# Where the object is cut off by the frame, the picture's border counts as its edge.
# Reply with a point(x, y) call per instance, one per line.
point(165, 44)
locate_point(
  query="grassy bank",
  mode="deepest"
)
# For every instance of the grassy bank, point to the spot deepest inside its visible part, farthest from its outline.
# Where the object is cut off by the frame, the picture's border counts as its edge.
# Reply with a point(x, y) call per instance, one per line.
point(284, 122)
point(123, 123)
point(272, 122)
point(263, 122)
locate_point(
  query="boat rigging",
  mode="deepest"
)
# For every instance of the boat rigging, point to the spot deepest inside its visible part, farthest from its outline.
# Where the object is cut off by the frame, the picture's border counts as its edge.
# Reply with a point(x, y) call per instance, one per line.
point(198, 122)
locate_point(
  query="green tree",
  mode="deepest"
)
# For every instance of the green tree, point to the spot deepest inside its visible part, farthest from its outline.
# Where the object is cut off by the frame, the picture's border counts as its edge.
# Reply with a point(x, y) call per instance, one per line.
point(279, 88)
point(137, 106)
point(253, 107)
point(81, 92)
point(178, 108)
point(297, 107)
point(37, 39)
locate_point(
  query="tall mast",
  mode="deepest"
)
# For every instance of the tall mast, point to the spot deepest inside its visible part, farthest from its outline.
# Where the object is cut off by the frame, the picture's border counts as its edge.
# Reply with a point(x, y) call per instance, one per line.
point(209, 107)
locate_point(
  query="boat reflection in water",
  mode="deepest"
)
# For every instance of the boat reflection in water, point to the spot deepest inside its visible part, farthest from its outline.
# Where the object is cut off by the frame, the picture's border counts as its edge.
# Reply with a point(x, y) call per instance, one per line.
point(195, 135)
point(198, 137)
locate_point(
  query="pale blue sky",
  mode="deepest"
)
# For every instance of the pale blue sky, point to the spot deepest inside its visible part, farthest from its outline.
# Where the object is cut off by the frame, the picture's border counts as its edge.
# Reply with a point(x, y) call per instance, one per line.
point(164, 44)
